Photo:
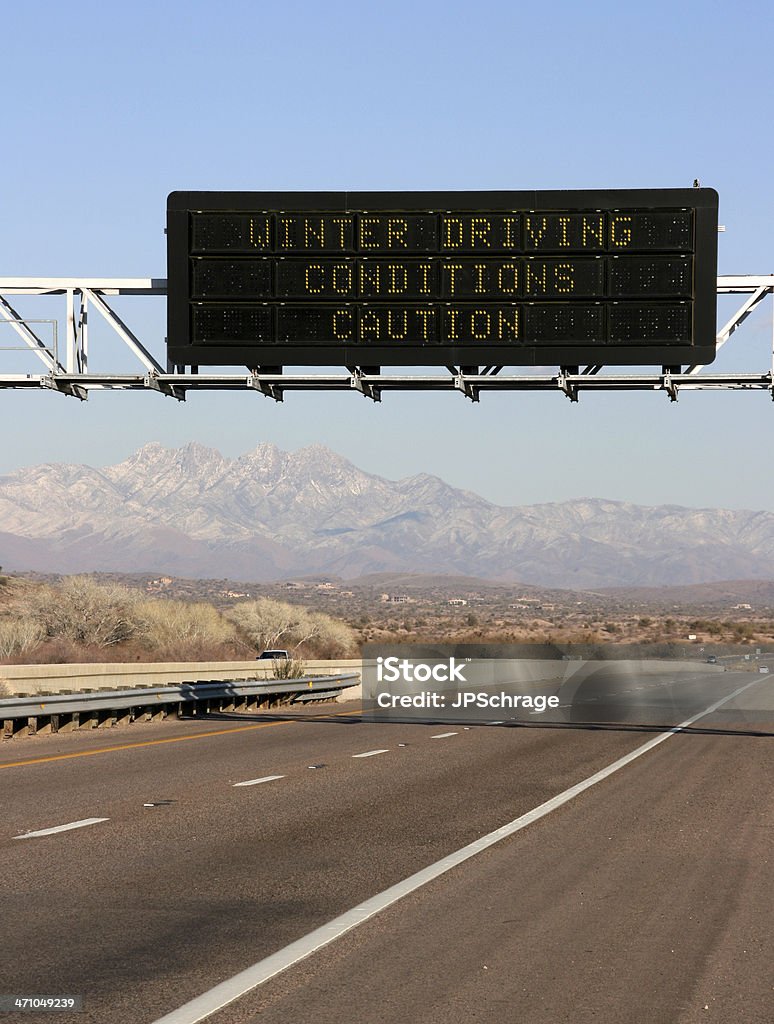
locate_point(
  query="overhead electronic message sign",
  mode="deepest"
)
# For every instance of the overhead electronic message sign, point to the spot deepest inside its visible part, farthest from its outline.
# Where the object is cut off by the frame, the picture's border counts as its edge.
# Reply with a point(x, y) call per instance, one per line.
point(442, 278)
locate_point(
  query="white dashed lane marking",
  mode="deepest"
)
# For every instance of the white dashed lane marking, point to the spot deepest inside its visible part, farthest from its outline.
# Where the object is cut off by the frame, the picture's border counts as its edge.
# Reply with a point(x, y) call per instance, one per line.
point(62, 828)
point(257, 782)
point(371, 753)
point(443, 735)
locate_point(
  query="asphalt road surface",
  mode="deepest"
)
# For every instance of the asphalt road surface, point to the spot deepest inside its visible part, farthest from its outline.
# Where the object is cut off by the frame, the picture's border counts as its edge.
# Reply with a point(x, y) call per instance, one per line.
point(204, 847)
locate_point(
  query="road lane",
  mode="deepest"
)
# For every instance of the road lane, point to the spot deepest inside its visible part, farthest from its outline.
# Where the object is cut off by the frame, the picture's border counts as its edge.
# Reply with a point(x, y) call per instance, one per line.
point(168, 900)
point(36, 788)
point(161, 903)
point(648, 899)
point(260, 973)
point(170, 759)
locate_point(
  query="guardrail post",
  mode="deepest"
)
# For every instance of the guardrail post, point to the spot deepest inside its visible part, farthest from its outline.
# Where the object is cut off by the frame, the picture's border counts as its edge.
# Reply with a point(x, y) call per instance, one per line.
point(43, 726)
point(69, 722)
point(87, 719)
point(8, 724)
point(44, 723)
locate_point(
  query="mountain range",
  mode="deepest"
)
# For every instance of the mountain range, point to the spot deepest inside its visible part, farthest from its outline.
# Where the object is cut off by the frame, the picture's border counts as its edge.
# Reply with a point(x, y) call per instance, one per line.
point(271, 514)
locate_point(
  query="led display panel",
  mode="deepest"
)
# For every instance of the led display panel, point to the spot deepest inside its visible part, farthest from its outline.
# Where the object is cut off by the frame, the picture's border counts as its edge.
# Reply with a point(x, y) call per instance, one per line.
point(615, 277)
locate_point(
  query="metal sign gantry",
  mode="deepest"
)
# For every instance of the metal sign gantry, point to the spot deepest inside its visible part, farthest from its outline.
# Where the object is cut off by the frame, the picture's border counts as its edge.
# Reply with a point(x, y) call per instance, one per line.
point(68, 373)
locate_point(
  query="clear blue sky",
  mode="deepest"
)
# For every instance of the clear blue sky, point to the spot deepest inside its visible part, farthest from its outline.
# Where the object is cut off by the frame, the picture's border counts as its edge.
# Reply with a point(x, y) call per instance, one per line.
point(111, 106)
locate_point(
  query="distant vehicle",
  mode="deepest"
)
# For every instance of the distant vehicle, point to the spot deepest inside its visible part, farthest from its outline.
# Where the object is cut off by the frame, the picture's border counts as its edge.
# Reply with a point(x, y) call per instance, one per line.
point(712, 660)
point(763, 668)
point(273, 656)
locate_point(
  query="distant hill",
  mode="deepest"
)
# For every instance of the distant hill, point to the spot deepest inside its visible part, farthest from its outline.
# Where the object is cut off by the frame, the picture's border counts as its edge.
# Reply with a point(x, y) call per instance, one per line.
point(273, 515)
point(759, 593)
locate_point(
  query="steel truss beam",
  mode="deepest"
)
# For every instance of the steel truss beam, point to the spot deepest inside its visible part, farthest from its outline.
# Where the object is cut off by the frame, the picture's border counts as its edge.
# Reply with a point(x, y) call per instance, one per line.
point(72, 376)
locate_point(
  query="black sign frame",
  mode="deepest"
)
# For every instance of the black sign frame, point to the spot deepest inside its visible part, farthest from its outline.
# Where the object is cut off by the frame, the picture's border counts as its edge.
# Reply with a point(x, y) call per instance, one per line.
point(603, 328)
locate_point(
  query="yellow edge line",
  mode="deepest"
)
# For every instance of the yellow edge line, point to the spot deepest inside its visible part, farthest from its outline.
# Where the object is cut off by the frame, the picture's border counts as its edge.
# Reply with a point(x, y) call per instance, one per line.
point(172, 739)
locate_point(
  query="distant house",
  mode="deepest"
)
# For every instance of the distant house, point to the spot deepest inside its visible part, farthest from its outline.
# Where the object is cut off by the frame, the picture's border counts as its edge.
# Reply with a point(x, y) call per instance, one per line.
point(457, 602)
point(160, 584)
point(395, 599)
point(742, 608)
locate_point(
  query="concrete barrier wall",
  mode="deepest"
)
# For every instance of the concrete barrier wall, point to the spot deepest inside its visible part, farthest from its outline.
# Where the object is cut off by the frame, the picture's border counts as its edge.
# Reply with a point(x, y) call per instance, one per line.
point(34, 679)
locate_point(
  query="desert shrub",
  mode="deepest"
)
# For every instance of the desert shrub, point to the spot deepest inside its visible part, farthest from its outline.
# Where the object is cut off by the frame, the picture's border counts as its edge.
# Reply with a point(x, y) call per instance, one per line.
point(268, 624)
point(333, 638)
point(180, 626)
point(288, 668)
point(82, 611)
point(19, 637)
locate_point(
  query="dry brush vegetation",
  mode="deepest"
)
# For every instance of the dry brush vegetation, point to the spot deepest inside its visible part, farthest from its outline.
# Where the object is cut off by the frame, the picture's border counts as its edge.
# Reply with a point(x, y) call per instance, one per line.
point(82, 620)
point(88, 618)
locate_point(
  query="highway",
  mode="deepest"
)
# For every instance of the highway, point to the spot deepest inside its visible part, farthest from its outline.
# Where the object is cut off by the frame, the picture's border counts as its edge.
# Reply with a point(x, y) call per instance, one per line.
point(203, 847)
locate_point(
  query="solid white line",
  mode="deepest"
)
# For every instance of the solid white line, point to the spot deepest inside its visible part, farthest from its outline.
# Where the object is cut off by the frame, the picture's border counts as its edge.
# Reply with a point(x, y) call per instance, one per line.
point(62, 828)
point(257, 782)
point(227, 991)
point(443, 735)
point(371, 753)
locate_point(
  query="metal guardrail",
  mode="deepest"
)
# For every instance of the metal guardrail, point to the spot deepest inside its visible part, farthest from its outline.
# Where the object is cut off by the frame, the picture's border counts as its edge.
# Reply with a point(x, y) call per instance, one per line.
point(152, 698)
point(79, 677)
